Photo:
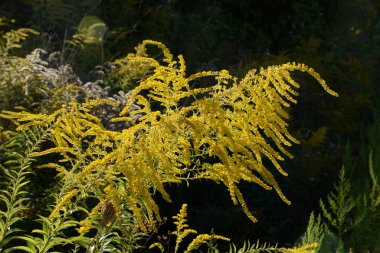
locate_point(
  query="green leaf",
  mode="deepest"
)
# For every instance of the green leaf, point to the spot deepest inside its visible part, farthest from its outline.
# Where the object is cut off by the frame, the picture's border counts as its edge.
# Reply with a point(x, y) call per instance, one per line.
point(81, 240)
point(24, 248)
point(28, 239)
point(67, 224)
point(42, 232)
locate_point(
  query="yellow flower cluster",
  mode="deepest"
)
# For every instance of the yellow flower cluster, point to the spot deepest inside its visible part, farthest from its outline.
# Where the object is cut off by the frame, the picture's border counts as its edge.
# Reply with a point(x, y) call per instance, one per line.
point(183, 231)
point(239, 125)
point(182, 226)
point(309, 248)
point(203, 238)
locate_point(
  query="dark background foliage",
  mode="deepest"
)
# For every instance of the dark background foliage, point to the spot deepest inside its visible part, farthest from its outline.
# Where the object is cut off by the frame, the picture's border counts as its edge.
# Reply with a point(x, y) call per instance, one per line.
point(339, 39)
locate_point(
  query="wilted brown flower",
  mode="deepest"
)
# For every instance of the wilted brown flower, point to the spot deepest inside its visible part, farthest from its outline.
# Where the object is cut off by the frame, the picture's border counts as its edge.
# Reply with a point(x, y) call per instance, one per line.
point(108, 214)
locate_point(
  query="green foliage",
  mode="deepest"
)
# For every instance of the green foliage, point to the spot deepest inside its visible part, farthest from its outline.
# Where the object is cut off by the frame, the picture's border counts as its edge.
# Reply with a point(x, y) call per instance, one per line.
point(364, 236)
point(341, 204)
point(13, 195)
point(314, 232)
point(352, 209)
point(114, 230)
point(16, 168)
point(266, 247)
point(56, 231)
point(374, 195)
point(317, 232)
point(51, 235)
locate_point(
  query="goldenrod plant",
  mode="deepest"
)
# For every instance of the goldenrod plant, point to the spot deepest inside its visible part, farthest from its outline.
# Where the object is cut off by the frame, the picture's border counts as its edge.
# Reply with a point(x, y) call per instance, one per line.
point(228, 132)
point(129, 73)
point(238, 124)
point(48, 72)
point(183, 231)
point(16, 168)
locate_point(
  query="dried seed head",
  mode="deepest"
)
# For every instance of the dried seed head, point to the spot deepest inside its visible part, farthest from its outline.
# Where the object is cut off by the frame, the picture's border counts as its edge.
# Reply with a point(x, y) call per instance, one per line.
point(108, 214)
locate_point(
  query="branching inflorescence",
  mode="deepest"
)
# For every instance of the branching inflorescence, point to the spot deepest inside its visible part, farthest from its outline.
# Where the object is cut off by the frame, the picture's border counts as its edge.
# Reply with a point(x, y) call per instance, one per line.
point(226, 132)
